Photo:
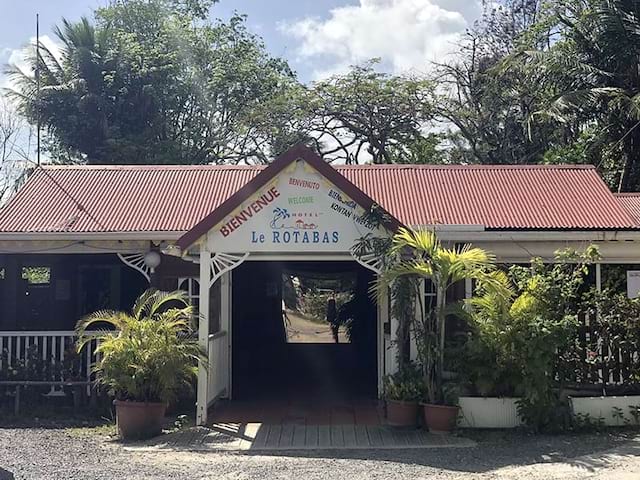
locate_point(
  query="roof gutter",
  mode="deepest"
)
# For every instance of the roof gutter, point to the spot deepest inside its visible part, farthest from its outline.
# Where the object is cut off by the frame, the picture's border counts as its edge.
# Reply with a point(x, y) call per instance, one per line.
point(80, 236)
point(463, 233)
point(539, 235)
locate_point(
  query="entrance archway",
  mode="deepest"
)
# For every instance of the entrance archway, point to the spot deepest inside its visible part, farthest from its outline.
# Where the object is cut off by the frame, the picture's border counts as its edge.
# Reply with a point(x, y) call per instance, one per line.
point(298, 207)
point(283, 347)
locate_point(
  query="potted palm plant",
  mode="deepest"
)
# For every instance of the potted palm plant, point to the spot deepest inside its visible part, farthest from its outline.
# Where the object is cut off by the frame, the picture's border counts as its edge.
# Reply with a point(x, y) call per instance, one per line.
point(402, 391)
point(145, 358)
point(418, 255)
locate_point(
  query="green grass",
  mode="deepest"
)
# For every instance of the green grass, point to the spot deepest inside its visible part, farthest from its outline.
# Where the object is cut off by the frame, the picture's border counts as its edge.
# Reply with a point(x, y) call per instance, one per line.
point(107, 429)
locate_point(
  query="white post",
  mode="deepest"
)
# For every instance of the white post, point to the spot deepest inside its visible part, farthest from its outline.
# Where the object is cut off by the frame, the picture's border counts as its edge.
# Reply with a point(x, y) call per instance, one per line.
point(225, 325)
point(383, 317)
point(419, 307)
point(598, 289)
point(468, 288)
point(203, 334)
point(393, 348)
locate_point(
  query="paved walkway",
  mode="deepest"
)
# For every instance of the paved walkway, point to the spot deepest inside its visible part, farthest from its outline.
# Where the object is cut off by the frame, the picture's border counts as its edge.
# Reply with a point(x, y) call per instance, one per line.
point(299, 411)
point(279, 437)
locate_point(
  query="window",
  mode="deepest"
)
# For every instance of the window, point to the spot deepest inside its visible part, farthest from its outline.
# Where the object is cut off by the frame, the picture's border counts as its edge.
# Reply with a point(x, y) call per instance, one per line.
point(1, 273)
point(430, 294)
point(192, 287)
point(36, 275)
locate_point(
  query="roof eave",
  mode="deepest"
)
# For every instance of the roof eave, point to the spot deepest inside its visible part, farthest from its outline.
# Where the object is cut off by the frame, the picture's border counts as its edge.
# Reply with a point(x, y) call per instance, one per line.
point(463, 232)
point(79, 236)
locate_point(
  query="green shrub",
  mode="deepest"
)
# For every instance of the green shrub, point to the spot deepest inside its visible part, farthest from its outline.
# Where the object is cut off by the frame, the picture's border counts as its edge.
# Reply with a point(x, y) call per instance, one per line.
point(33, 367)
point(525, 338)
point(583, 422)
point(405, 385)
point(150, 356)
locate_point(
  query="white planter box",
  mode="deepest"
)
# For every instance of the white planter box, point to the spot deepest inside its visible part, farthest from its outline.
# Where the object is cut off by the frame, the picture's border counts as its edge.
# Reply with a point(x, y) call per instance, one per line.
point(488, 412)
point(603, 408)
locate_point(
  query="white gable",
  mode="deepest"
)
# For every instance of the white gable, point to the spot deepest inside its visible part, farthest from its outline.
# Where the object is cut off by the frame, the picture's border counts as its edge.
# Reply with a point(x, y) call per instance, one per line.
point(298, 211)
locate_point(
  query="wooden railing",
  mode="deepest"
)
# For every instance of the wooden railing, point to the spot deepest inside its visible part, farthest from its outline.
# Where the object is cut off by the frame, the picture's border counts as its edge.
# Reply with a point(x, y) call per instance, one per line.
point(218, 371)
point(49, 354)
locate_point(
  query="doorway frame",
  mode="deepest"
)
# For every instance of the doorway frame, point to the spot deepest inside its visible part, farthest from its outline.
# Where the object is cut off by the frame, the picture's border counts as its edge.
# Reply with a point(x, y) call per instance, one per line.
point(383, 342)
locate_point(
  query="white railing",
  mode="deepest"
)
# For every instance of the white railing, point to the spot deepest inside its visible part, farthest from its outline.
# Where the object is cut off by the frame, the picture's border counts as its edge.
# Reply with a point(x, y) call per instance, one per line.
point(218, 371)
point(18, 348)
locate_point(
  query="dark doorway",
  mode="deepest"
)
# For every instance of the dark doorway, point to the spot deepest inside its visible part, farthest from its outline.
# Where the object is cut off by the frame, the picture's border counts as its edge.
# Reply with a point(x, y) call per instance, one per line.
point(283, 349)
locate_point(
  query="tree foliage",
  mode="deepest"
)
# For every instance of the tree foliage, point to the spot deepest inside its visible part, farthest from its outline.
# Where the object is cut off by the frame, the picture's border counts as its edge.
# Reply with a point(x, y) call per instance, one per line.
point(368, 114)
point(594, 69)
point(15, 148)
point(488, 106)
point(552, 82)
point(151, 82)
point(157, 81)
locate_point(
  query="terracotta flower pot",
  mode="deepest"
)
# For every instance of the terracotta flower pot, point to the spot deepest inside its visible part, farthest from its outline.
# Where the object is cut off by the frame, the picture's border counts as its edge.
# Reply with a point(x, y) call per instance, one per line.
point(402, 414)
point(139, 420)
point(440, 418)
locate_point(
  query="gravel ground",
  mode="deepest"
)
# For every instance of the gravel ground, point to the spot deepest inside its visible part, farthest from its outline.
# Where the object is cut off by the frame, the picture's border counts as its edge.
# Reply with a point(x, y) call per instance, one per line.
point(53, 453)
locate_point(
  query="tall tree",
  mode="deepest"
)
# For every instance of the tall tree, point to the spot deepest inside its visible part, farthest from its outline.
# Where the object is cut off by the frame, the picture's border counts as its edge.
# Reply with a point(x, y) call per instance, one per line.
point(152, 81)
point(366, 115)
point(487, 106)
point(15, 148)
point(594, 66)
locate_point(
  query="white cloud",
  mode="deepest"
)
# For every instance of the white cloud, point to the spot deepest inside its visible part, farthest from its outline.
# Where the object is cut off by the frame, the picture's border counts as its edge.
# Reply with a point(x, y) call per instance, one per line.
point(24, 143)
point(18, 56)
point(469, 9)
point(406, 34)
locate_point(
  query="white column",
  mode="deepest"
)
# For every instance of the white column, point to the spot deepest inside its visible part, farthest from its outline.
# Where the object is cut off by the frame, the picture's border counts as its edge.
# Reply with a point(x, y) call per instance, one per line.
point(383, 317)
point(391, 348)
point(419, 307)
point(203, 335)
point(468, 288)
point(225, 325)
point(598, 289)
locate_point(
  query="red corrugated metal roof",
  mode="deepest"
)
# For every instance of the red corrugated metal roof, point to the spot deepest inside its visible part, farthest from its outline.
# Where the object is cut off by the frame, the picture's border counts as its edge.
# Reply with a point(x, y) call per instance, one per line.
point(175, 198)
point(631, 203)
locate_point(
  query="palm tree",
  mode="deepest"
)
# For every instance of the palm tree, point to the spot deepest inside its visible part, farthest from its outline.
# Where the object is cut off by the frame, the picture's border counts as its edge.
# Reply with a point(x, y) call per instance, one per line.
point(418, 255)
point(71, 84)
point(594, 68)
point(147, 354)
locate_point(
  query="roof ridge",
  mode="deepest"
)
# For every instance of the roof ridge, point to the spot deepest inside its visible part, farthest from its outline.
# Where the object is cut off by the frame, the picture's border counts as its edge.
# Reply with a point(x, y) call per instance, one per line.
point(401, 166)
point(148, 167)
point(395, 166)
point(626, 194)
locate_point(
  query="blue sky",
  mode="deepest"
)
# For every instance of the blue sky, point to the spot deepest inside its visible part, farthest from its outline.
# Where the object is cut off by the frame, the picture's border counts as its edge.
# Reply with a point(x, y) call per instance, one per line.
point(318, 37)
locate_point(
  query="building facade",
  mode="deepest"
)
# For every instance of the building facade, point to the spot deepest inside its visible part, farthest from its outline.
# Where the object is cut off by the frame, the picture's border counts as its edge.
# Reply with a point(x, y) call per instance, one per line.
point(75, 239)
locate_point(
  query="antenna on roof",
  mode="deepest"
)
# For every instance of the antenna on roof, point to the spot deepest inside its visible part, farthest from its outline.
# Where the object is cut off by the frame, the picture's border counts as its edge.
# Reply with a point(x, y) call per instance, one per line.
point(38, 88)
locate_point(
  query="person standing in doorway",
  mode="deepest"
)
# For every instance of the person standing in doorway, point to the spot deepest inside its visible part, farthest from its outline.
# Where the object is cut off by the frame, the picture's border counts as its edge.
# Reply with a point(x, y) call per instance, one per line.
point(332, 317)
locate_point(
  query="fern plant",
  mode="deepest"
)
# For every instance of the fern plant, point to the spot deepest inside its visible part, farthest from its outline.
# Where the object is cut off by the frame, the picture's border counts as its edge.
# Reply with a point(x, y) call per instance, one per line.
point(146, 355)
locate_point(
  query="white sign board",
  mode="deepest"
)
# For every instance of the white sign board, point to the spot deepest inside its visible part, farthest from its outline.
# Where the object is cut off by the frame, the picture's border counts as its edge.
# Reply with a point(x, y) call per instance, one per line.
point(633, 283)
point(298, 211)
